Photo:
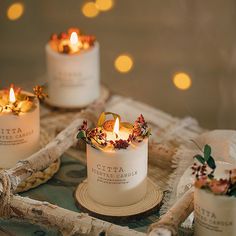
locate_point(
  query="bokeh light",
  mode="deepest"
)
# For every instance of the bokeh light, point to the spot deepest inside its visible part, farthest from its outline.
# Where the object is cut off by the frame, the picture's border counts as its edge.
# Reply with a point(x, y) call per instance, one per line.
point(104, 5)
point(124, 63)
point(15, 11)
point(182, 81)
point(90, 9)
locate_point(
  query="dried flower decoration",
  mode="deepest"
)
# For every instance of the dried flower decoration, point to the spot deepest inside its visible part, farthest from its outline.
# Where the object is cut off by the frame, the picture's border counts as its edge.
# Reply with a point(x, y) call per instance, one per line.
point(97, 136)
point(60, 42)
point(204, 175)
point(23, 101)
point(39, 92)
point(120, 144)
point(140, 129)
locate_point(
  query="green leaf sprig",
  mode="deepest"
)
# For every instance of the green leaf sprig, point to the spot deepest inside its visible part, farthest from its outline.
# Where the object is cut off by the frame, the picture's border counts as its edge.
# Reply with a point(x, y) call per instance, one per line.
point(207, 180)
point(206, 159)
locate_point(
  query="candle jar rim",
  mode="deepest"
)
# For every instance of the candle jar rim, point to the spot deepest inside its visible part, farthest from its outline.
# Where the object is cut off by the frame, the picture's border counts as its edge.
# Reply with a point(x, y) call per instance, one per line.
point(98, 137)
point(219, 196)
point(132, 145)
point(81, 52)
point(35, 102)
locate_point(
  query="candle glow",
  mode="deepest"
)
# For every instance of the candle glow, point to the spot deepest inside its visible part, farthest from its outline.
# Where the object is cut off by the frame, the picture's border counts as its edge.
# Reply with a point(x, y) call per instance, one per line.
point(75, 45)
point(14, 100)
point(71, 42)
point(12, 97)
point(118, 132)
point(74, 38)
point(116, 126)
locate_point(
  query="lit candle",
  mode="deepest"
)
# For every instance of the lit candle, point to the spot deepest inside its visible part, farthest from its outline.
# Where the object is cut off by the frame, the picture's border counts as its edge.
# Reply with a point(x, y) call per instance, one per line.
point(117, 133)
point(12, 97)
point(117, 162)
point(73, 69)
point(74, 43)
point(19, 126)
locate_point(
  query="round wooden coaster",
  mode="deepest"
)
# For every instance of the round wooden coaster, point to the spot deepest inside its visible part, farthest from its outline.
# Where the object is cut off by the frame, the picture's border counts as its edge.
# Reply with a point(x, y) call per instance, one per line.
point(148, 205)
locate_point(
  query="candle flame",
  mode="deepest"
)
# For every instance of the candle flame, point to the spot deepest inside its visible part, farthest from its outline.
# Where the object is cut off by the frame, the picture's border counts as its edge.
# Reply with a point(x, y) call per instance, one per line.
point(12, 97)
point(74, 38)
point(116, 126)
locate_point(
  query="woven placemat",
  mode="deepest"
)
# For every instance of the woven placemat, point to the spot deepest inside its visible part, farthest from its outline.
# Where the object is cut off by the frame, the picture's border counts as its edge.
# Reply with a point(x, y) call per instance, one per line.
point(143, 208)
point(43, 176)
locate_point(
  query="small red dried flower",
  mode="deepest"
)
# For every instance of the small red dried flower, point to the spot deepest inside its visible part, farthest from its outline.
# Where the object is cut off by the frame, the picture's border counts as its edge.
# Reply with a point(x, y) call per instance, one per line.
point(120, 144)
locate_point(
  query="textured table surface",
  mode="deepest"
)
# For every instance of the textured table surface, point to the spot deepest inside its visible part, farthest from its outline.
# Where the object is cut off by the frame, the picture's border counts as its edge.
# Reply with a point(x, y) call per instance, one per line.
point(59, 190)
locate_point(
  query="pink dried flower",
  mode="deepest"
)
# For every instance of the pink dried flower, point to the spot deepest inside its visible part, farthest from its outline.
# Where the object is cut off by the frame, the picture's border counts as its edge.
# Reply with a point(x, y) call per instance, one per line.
point(219, 186)
point(140, 128)
point(141, 119)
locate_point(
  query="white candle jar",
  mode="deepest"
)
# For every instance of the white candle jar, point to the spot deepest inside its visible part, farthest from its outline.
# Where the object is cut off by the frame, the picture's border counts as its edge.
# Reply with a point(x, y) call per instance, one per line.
point(214, 214)
point(73, 80)
point(19, 135)
point(118, 177)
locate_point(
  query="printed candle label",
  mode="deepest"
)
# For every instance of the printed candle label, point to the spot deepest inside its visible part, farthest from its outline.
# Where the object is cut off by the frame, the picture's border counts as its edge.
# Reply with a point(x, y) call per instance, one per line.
point(118, 178)
point(210, 220)
point(214, 215)
point(15, 136)
point(71, 79)
point(113, 174)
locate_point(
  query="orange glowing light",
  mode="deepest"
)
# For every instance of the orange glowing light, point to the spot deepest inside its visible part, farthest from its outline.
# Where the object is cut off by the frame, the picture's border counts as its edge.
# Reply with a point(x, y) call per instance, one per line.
point(104, 5)
point(116, 126)
point(124, 63)
point(15, 11)
point(90, 10)
point(74, 38)
point(12, 97)
point(182, 81)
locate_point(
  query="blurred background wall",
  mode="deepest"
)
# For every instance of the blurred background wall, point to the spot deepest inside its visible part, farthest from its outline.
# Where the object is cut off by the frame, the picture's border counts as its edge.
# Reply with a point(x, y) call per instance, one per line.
point(183, 51)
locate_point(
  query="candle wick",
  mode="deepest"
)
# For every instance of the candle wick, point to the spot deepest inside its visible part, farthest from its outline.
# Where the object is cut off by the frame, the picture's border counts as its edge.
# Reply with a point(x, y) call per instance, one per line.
point(116, 135)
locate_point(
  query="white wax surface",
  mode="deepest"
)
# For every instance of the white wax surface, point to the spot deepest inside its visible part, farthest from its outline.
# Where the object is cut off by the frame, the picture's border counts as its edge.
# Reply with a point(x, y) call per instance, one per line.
point(19, 136)
point(118, 178)
point(73, 80)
